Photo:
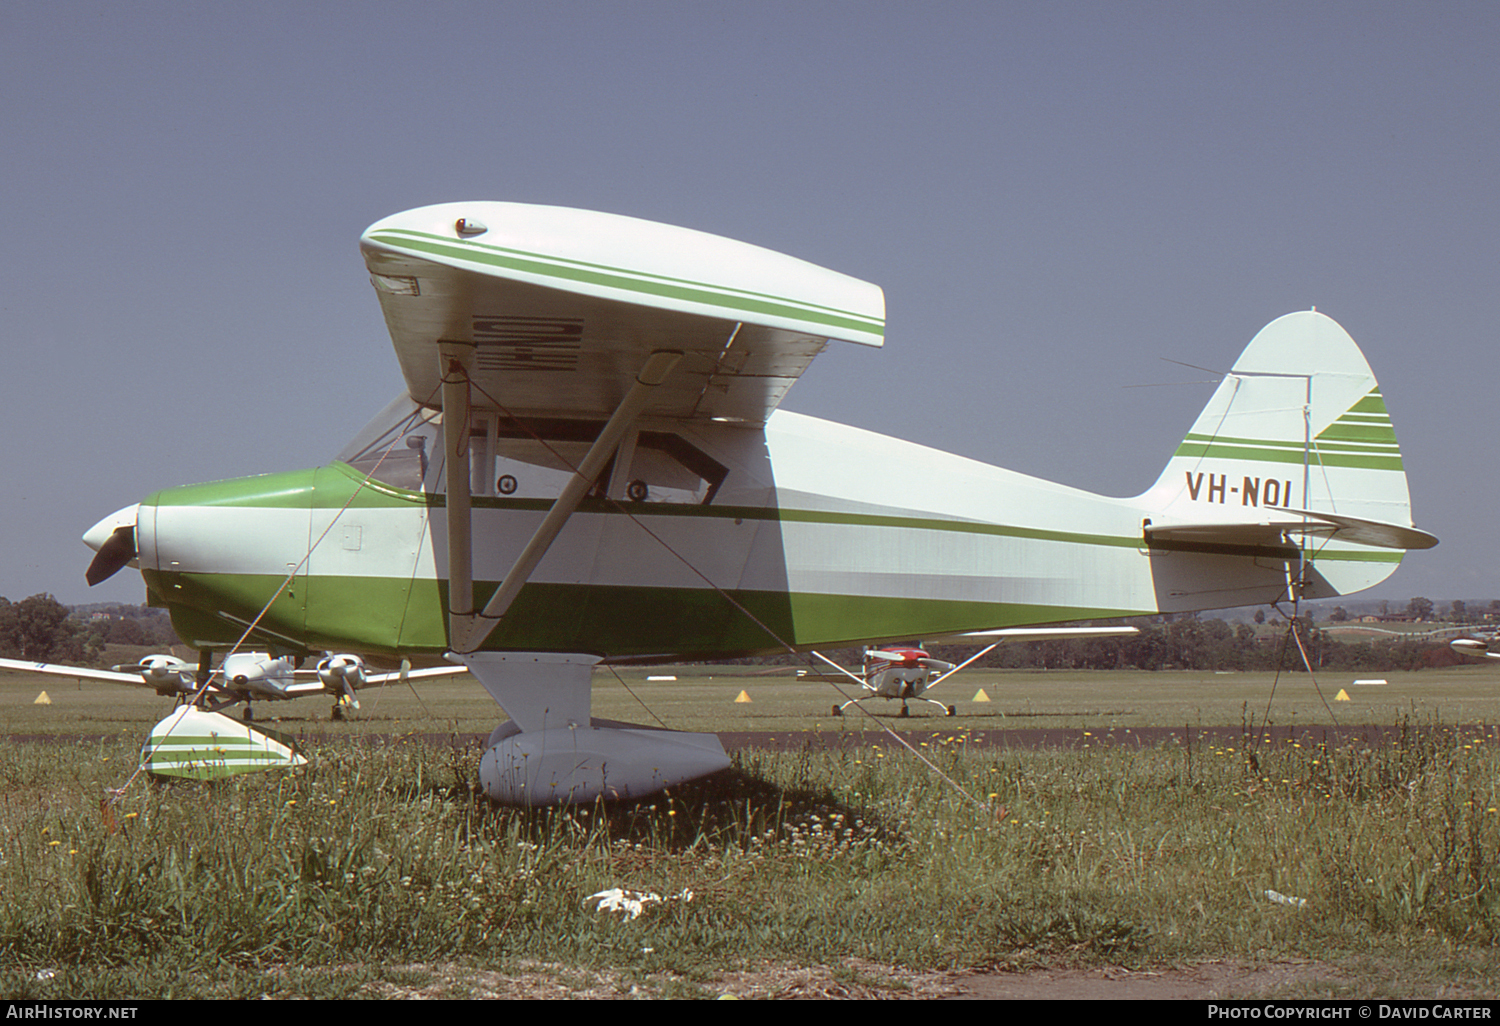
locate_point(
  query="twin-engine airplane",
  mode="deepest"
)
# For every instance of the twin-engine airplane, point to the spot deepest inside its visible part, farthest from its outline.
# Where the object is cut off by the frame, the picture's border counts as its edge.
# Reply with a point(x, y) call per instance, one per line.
point(587, 464)
point(243, 677)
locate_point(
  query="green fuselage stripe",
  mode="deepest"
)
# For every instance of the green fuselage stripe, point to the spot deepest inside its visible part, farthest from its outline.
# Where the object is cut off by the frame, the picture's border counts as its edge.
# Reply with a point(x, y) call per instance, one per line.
point(391, 615)
point(295, 489)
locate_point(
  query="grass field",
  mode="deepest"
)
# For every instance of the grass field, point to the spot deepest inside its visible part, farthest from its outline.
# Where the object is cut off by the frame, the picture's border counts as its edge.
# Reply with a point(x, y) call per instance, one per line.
point(703, 698)
point(379, 870)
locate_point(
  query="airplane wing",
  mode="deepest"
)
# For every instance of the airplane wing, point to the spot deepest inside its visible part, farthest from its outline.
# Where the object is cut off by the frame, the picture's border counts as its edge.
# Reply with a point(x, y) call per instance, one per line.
point(395, 677)
point(563, 307)
point(1034, 634)
point(307, 687)
point(77, 672)
point(315, 686)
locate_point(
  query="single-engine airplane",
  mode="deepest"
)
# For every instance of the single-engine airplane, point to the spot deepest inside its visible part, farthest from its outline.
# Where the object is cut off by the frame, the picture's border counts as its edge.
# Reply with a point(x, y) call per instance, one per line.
point(587, 464)
point(906, 673)
point(902, 672)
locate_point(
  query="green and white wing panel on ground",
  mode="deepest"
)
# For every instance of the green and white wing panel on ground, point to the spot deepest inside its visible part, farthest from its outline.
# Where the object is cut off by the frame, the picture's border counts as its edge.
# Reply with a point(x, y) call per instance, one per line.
point(200, 745)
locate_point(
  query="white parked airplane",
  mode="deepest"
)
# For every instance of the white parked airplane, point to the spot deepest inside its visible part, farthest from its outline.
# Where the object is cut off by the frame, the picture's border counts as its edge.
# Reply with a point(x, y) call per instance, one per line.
point(587, 464)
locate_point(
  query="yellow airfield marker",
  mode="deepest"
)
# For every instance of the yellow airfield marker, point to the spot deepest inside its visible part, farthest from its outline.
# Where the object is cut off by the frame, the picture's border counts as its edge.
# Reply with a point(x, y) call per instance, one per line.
point(980, 696)
point(42, 699)
point(1342, 696)
point(744, 696)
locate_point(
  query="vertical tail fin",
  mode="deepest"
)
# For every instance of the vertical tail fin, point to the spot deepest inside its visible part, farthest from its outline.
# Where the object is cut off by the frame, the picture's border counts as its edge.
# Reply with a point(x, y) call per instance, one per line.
point(1298, 424)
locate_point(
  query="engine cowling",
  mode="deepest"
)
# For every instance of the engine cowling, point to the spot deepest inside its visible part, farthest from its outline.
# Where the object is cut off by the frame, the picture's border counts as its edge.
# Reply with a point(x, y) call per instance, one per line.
point(339, 673)
point(167, 674)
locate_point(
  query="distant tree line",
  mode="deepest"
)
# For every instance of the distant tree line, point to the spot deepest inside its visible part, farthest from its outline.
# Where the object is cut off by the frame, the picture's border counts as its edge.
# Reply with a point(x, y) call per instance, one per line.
point(43, 630)
point(1194, 644)
point(1423, 608)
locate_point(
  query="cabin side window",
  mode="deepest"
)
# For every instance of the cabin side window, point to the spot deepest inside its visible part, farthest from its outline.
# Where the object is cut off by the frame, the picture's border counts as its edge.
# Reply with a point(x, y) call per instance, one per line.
point(532, 459)
point(535, 459)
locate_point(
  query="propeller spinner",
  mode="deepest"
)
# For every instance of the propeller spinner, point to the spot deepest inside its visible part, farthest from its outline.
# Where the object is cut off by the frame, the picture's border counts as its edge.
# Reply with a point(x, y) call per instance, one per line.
point(113, 542)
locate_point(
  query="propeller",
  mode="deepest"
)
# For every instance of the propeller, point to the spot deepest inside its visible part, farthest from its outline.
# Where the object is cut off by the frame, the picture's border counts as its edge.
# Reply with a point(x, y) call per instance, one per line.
point(113, 542)
point(114, 554)
point(341, 674)
point(890, 655)
point(909, 656)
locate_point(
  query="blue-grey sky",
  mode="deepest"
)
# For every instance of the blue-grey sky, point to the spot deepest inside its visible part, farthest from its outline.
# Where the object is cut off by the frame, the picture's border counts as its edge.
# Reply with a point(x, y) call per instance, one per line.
point(1057, 197)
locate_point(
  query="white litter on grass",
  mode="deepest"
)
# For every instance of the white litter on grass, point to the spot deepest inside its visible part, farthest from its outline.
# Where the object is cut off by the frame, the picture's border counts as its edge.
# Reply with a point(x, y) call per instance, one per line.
point(45, 975)
point(1286, 899)
point(631, 903)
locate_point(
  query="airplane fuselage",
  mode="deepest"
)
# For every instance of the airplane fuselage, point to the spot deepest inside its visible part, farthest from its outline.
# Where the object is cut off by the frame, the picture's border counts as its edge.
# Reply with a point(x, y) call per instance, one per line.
point(798, 530)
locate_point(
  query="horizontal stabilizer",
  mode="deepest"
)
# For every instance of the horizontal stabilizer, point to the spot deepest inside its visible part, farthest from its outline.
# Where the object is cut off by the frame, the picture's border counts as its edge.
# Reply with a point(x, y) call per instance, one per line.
point(1269, 532)
point(1364, 532)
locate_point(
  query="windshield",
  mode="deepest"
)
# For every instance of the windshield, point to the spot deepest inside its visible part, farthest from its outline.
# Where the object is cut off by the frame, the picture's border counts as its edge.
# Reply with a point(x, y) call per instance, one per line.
point(398, 445)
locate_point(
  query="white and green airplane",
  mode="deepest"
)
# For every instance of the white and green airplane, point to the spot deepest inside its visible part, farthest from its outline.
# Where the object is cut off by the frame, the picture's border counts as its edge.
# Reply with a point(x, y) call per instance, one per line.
point(587, 464)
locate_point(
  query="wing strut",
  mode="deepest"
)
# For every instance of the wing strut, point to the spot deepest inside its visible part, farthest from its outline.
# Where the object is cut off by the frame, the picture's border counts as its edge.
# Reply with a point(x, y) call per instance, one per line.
point(467, 631)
